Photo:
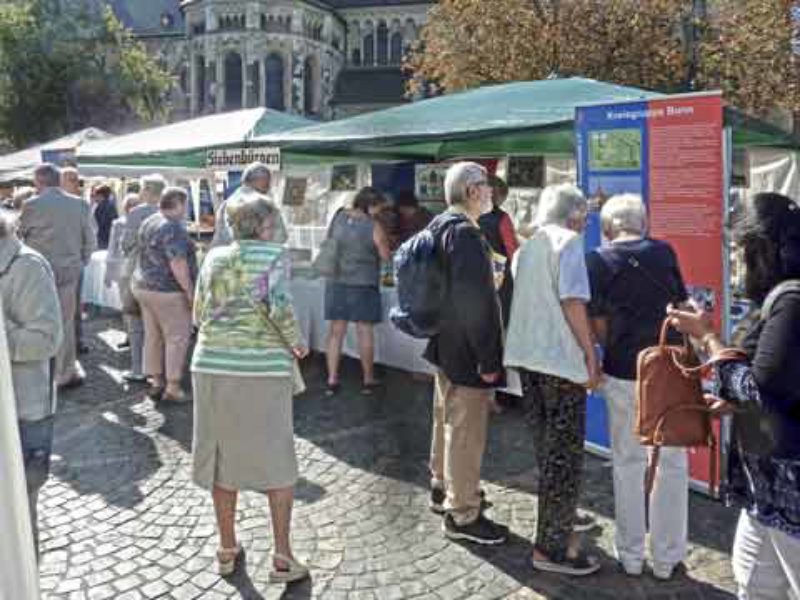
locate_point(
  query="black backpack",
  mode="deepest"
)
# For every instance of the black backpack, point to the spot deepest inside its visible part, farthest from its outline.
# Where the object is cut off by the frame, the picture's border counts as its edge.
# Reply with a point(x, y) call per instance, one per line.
point(421, 276)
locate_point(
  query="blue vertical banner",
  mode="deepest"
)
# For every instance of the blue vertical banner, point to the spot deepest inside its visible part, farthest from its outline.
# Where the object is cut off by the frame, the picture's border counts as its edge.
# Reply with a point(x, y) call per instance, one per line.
point(612, 159)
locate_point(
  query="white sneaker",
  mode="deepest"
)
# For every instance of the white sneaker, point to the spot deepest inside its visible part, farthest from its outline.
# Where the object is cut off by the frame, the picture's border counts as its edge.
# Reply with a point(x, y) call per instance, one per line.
point(663, 571)
point(632, 568)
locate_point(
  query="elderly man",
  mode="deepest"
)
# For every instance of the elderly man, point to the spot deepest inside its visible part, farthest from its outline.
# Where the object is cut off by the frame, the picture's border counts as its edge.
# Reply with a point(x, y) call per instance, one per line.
point(151, 189)
point(71, 181)
point(255, 179)
point(58, 225)
point(633, 280)
point(467, 353)
point(550, 341)
point(32, 315)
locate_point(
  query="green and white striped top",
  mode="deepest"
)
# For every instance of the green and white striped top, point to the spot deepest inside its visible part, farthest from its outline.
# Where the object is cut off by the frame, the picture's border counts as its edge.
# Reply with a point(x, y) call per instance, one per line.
point(237, 286)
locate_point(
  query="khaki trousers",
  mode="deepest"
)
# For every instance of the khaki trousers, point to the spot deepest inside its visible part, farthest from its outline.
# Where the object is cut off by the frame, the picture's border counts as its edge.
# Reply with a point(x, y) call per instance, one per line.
point(67, 281)
point(460, 423)
point(167, 331)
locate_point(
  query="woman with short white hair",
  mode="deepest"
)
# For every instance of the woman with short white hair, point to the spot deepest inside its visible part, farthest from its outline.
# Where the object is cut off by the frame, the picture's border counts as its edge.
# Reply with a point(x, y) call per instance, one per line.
point(549, 340)
point(633, 279)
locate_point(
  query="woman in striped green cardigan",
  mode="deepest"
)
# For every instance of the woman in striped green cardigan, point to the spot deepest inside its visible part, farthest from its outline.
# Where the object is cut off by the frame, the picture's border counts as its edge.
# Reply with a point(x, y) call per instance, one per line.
point(242, 366)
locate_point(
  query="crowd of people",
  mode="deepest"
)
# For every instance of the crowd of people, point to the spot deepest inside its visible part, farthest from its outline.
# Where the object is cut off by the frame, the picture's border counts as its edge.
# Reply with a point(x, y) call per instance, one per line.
point(540, 306)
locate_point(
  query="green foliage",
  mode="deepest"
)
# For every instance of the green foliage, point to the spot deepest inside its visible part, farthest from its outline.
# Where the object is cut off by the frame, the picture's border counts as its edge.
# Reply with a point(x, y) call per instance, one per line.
point(64, 70)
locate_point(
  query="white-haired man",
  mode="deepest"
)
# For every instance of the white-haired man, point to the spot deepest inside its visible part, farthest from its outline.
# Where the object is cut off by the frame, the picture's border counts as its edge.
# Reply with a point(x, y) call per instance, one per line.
point(550, 341)
point(256, 178)
point(58, 226)
point(151, 189)
point(467, 352)
point(633, 279)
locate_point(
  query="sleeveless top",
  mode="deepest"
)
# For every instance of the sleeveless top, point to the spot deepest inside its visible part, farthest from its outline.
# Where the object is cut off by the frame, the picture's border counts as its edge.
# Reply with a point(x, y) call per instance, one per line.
point(359, 263)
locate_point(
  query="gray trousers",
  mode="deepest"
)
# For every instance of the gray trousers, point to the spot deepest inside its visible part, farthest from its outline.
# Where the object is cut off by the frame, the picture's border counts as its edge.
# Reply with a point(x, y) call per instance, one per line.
point(136, 339)
point(37, 445)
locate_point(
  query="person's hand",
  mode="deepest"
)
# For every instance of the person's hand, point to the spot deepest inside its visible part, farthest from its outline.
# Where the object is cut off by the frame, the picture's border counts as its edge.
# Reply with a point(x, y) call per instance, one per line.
point(595, 374)
point(490, 377)
point(299, 352)
point(694, 323)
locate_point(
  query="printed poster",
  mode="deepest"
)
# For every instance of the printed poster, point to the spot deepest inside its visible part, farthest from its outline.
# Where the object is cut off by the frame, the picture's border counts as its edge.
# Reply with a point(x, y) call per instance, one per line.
point(670, 151)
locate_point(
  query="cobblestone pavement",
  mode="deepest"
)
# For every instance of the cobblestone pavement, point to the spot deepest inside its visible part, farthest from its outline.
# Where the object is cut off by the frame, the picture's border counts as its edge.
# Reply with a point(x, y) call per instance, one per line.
point(121, 518)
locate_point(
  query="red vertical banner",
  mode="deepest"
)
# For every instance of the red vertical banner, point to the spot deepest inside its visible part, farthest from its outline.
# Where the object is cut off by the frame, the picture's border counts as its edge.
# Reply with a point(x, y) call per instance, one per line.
point(686, 204)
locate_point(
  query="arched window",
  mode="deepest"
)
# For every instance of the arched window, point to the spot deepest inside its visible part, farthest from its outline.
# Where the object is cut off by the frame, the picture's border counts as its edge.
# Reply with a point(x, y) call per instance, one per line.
point(309, 91)
point(397, 48)
point(369, 50)
point(383, 43)
point(200, 82)
point(356, 59)
point(263, 21)
point(274, 81)
point(233, 81)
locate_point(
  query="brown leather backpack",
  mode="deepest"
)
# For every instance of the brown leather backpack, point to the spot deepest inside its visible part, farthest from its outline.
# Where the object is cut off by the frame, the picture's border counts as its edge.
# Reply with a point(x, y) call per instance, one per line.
point(671, 407)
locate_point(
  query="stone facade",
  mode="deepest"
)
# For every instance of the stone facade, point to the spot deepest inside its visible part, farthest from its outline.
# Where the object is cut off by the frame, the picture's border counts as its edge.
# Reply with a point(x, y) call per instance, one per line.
point(282, 54)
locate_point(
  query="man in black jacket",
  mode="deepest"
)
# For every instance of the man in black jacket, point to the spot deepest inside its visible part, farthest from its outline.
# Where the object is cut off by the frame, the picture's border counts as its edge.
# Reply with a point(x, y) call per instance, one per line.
point(468, 354)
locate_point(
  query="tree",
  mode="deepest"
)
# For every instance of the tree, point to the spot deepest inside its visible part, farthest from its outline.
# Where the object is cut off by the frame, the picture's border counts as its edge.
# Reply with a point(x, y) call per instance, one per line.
point(634, 42)
point(749, 51)
point(61, 71)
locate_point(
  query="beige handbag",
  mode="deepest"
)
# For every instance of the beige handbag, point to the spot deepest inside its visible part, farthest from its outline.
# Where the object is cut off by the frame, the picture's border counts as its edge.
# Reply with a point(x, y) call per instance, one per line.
point(298, 383)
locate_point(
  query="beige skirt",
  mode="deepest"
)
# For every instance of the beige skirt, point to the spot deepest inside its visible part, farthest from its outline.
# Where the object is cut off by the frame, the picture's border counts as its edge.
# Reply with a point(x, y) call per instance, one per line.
point(243, 432)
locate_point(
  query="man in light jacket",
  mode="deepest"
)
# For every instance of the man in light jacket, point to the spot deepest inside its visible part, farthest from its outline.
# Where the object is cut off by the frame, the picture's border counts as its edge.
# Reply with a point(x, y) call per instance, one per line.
point(58, 225)
point(33, 322)
point(256, 179)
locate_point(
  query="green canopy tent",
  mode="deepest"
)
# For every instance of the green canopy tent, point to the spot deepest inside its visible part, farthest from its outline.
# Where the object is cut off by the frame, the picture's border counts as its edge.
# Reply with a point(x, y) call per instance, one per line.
point(530, 117)
point(180, 148)
point(18, 166)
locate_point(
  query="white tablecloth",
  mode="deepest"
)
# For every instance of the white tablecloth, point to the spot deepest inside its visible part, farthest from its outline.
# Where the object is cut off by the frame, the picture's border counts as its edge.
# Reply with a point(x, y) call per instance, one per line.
point(94, 290)
point(392, 347)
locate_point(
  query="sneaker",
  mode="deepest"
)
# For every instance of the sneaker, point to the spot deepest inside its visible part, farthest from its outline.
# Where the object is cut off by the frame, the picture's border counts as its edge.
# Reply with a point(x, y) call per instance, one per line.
point(664, 571)
point(632, 568)
point(438, 496)
point(583, 522)
point(480, 531)
point(134, 377)
point(579, 566)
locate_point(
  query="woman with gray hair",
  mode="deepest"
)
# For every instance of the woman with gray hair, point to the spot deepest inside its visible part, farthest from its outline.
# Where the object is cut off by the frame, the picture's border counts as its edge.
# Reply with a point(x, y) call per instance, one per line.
point(633, 279)
point(549, 340)
point(163, 285)
point(242, 371)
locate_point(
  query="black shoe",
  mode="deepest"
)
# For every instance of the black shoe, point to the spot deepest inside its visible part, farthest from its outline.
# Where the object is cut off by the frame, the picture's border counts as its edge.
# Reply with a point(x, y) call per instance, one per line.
point(438, 496)
point(579, 566)
point(480, 531)
point(583, 522)
point(83, 349)
point(124, 345)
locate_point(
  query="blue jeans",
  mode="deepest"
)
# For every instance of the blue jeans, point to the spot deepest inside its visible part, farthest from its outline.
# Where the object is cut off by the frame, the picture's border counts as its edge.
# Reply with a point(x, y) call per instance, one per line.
point(37, 445)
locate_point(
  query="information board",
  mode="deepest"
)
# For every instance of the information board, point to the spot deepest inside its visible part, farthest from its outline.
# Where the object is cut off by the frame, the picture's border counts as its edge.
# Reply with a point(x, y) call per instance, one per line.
point(670, 151)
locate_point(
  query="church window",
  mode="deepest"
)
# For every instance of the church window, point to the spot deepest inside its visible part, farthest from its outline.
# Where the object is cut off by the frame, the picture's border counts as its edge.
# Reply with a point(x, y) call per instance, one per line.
point(356, 58)
point(369, 50)
point(274, 82)
point(397, 48)
point(309, 91)
point(383, 43)
point(233, 81)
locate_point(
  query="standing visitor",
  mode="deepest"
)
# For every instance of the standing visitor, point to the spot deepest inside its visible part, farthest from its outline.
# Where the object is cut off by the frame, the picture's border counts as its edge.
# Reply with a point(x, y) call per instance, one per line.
point(467, 352)
point(498, 228)
point(764, 467)
point(163, 285)
point(353, 295)
point(116, 273)
point(549, 340)
point(150, 189)
point(242, 370)
point(104, 211)
point(256, 179)
point(33, 321)
point(633, 279)
point(58, 225)
point(411, 217)
point(71, 184)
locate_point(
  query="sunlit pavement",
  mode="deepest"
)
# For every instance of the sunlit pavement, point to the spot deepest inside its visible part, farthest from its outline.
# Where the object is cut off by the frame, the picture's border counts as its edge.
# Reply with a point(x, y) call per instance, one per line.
point(121, 519)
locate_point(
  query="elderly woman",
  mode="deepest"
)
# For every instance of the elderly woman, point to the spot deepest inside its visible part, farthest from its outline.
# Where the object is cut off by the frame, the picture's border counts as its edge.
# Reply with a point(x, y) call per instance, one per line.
point(764, 468)
point(550, 341)
point(353, 295)
point(242, 369)
point(117, 273)
point(33, 320)
point(163, 284)
point(633, 278)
